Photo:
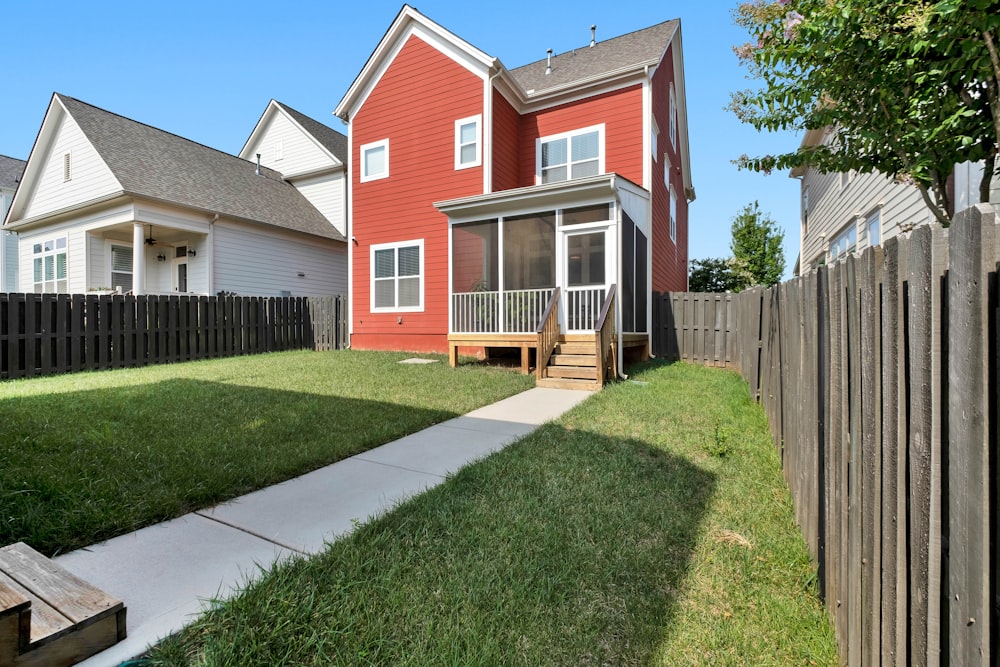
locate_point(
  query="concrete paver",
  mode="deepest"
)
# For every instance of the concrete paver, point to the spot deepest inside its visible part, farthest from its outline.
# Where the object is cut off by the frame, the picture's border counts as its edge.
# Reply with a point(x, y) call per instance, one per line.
point(166, 573)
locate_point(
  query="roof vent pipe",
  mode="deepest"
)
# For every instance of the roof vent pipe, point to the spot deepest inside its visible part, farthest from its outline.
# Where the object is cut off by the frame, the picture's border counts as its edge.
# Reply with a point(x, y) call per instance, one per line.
point(258, 164)
point(593, 35)
point(548, 66)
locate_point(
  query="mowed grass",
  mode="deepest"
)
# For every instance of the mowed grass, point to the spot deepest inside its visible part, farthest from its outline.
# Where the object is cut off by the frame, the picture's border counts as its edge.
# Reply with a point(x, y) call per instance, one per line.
point(88, 456)
point(650, 525)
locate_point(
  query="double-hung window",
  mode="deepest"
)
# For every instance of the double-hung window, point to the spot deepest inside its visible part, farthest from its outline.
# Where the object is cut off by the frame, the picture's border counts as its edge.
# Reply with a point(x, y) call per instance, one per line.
point(121, 268)
point(397, 276)
point(570, 155)
point(49, 266)
point(673, 215)
point(468, 142)
point(874, 227)
point(375, 160)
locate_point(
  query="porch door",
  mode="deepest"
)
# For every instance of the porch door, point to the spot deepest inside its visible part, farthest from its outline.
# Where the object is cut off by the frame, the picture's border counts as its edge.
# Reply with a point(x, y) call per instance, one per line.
point(179, 272)
point(587, 275)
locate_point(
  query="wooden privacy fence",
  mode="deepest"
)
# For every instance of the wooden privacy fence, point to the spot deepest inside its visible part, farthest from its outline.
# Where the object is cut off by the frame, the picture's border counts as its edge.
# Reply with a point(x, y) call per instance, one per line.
point(879, 377)
point(42, 334)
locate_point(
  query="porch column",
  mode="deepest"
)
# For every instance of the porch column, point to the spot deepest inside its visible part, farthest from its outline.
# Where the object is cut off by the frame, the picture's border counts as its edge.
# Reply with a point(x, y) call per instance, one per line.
point(138, 259)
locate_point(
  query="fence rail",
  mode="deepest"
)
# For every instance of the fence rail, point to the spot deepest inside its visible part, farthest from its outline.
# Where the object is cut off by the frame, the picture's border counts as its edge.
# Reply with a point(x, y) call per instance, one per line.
point(43, 334)
point(879, 377)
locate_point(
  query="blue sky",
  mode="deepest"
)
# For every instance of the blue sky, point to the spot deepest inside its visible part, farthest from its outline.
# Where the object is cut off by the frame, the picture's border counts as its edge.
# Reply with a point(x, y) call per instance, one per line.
point(206, 70)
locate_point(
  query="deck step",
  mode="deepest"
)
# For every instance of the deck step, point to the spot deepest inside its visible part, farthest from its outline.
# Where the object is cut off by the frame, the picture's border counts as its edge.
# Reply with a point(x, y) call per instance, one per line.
point(575, 348)
point(50, 617)
point(573, 360)
point(567, 383)
point(576, 372)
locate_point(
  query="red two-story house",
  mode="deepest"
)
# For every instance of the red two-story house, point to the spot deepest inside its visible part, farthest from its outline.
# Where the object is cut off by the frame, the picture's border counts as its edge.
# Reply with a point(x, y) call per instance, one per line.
point(535, 208)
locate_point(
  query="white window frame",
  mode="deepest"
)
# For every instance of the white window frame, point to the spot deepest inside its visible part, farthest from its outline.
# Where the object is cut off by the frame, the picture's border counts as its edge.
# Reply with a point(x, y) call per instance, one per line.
point(111, 266)
point(51, 247)
point(873, 218)
point(478, 120)
point(673, 118)
point(568, 136)
point(835, 252)
point(653, 135)
point(419, 308)
point(673, 215)
point(365, 148)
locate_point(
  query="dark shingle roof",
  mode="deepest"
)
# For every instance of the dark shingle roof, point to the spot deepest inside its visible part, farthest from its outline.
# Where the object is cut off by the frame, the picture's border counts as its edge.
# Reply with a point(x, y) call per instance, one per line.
point(333, 141)
point(149, 162)
point(637, 48)
point(11, 170)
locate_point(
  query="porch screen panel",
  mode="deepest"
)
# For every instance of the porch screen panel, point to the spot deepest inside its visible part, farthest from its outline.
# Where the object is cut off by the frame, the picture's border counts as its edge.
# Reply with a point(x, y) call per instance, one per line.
point(475, 276)
point(627, 293)
point(529, 251)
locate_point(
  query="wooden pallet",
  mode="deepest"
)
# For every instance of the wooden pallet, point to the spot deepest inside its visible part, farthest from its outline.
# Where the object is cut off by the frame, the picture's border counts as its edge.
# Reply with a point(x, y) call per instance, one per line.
point(48, 617)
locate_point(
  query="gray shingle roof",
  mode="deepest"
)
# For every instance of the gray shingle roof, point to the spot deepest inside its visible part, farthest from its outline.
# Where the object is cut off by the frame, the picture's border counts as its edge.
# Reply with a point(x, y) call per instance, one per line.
point(152, 163)
point(637, 48)
point(11, 170)
point(333, 141)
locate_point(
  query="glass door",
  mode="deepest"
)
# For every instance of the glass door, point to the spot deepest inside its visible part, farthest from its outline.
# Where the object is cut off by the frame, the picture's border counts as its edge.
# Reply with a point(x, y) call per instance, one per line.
point(586, 279)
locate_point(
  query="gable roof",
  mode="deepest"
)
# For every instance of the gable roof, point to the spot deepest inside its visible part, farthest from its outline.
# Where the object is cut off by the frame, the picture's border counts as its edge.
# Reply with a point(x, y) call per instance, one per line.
point(616, 55)
point(11, 170)
point(328, 139)
point(333, 141)
point(151, 163)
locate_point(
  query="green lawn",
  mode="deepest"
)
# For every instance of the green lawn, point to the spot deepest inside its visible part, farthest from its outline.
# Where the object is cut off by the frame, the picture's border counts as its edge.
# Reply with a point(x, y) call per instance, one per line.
point(88, 456)
point(650, 525)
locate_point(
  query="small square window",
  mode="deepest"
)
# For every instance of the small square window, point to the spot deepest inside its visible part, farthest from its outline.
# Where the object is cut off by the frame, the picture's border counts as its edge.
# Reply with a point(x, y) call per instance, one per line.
point(375, 160)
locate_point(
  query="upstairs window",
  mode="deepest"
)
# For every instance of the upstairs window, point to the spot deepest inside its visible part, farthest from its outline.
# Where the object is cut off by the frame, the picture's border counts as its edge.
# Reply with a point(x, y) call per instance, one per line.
point(673, 118)
point(468, 143)
point(49, 266)
point(397, 276)
point(375, 160)
point(673, 215)
point(570, 155)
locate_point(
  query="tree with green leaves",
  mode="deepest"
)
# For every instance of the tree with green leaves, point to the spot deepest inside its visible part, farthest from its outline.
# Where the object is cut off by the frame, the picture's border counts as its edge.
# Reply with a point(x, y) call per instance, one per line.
point(908, 88)
point(756, 244)
point(717, 274)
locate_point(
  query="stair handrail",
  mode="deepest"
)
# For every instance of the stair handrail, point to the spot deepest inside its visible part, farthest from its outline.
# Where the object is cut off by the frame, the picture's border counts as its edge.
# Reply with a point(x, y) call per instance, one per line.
point(604, 337)
point(548, 334)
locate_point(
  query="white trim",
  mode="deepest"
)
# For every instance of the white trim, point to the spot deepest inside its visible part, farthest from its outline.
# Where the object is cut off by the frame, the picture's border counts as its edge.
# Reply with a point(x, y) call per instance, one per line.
point(569, 157)
point(365, 176)
point(673, 215)
point(478, 160)
point(419, 308)
point(672, 119)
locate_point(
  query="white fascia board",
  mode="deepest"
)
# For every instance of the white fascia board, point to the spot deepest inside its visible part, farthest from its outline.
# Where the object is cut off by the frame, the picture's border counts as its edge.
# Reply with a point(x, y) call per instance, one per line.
point(258, 129)
point(555, 195)
point(679, 89)
point(585, 88)
point(409, 22)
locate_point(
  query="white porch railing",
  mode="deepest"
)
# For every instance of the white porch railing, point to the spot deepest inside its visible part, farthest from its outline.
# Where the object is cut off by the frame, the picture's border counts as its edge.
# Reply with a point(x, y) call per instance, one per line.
point(583, 307)
point(481, 312)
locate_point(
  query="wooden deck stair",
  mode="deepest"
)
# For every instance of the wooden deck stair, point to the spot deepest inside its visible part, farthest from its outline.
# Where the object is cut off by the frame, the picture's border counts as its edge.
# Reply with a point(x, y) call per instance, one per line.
point(573, 365)
point(48, 617)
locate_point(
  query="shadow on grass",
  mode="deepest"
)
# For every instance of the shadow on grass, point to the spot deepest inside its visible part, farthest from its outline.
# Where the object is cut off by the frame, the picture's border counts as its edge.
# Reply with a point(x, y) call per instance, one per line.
point(81, 467)
point(569, 547)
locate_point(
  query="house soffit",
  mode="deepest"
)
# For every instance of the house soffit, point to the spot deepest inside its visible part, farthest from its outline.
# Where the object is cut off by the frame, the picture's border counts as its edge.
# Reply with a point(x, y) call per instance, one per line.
point(410, 23)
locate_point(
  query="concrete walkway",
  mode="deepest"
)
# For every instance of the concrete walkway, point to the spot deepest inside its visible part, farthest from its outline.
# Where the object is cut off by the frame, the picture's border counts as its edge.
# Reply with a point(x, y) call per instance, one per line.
point(165, 573)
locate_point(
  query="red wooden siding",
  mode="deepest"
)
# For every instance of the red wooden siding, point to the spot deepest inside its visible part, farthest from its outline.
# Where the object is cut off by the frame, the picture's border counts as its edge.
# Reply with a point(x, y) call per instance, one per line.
point(414, 106)
point(619, 110)
point(670, 260)
point(506, 128)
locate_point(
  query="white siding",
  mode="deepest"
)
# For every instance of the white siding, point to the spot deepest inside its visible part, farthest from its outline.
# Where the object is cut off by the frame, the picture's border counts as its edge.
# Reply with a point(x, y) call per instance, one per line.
point(90, 177)
point(99, 275)
point(967, 178)
point(833, 208)
point(300, 153)
point(328, 194)
point(253, 261)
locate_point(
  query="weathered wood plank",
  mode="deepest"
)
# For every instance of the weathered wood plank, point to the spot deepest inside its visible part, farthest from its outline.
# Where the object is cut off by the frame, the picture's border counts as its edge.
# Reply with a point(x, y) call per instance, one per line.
point(972, 247)
point(74, 598)
point(45, 620)
point(894, 499)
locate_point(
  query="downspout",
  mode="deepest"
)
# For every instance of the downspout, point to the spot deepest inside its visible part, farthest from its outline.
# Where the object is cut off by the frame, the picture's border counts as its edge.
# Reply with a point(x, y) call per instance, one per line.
point(211, 254)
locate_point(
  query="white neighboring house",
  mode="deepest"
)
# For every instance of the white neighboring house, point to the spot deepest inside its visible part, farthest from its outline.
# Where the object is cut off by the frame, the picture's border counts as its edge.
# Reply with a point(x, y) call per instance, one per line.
point(11, 170)
point(846, 212)
point(108, 202)
point(308, 154)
